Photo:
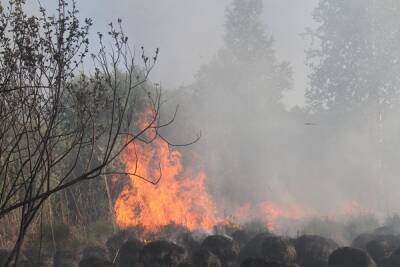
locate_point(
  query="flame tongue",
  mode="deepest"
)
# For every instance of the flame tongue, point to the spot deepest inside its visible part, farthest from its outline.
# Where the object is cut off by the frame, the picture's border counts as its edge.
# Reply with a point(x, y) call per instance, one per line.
point(274, 211)
point(270, 213)
point(180, 200)
point(177, 198)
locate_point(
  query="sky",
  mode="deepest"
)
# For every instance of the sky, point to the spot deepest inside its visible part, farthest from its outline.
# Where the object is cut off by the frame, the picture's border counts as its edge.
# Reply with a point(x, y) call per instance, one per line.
point(189, 33)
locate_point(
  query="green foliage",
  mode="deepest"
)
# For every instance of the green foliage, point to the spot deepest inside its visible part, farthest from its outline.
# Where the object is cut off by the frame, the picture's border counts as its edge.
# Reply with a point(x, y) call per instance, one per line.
point(234, 102)
point(355, 61)
point(245, 35)
point(61, 127)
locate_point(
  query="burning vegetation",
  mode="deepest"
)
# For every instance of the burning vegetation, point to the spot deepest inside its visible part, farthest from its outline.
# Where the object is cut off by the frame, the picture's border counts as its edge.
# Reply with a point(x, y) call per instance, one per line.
point(173, 196)
point(89, 177)
point(162, 191)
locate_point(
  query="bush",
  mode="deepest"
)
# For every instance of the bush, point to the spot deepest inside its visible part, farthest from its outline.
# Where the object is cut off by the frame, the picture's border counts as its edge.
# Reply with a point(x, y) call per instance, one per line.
point(59, 232)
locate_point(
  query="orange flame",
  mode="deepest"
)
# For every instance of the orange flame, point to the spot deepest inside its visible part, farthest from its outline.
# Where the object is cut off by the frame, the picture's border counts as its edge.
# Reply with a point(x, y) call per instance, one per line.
point(178, 197)
point(270, 213)
point(173, 200)
point(273, 211)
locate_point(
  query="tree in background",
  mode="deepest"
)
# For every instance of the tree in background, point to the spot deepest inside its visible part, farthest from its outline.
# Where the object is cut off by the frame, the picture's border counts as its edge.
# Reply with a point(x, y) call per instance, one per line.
point(356, 59)
point(235, 102)
point(354, 89)
point(246, 65)
point(245, 36)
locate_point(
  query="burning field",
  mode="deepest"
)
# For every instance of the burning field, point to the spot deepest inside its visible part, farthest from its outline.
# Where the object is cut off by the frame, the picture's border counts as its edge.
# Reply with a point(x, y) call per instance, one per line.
point(162, 191)
point(168, 217)
point(297, 104)
point(172, 199)
point(180, 224)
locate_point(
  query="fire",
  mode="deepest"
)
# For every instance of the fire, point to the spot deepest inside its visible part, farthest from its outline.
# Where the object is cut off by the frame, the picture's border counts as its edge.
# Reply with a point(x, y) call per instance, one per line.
point(177, 198)
point(161, 191)
point(270, 213)
point(351, 208)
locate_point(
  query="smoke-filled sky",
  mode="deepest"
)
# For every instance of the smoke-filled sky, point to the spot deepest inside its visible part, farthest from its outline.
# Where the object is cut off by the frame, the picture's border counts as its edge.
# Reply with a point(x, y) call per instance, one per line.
point(189, 33)
point(345, 157)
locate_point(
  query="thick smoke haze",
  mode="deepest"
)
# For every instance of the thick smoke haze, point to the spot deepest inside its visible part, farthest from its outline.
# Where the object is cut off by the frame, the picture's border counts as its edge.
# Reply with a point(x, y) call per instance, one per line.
point(323, 166)
point(200, 132)
point(253, 148)
point(189, 33)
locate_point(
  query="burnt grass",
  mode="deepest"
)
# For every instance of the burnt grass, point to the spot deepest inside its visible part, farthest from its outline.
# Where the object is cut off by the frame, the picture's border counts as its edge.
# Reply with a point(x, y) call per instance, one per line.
point(225, 246)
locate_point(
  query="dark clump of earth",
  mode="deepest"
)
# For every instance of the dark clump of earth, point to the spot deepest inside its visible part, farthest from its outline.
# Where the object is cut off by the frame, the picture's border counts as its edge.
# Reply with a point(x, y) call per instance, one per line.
point(182, 248)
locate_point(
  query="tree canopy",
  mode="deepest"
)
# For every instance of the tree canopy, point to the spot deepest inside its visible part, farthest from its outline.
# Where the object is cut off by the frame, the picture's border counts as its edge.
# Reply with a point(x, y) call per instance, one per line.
point(355, 61)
